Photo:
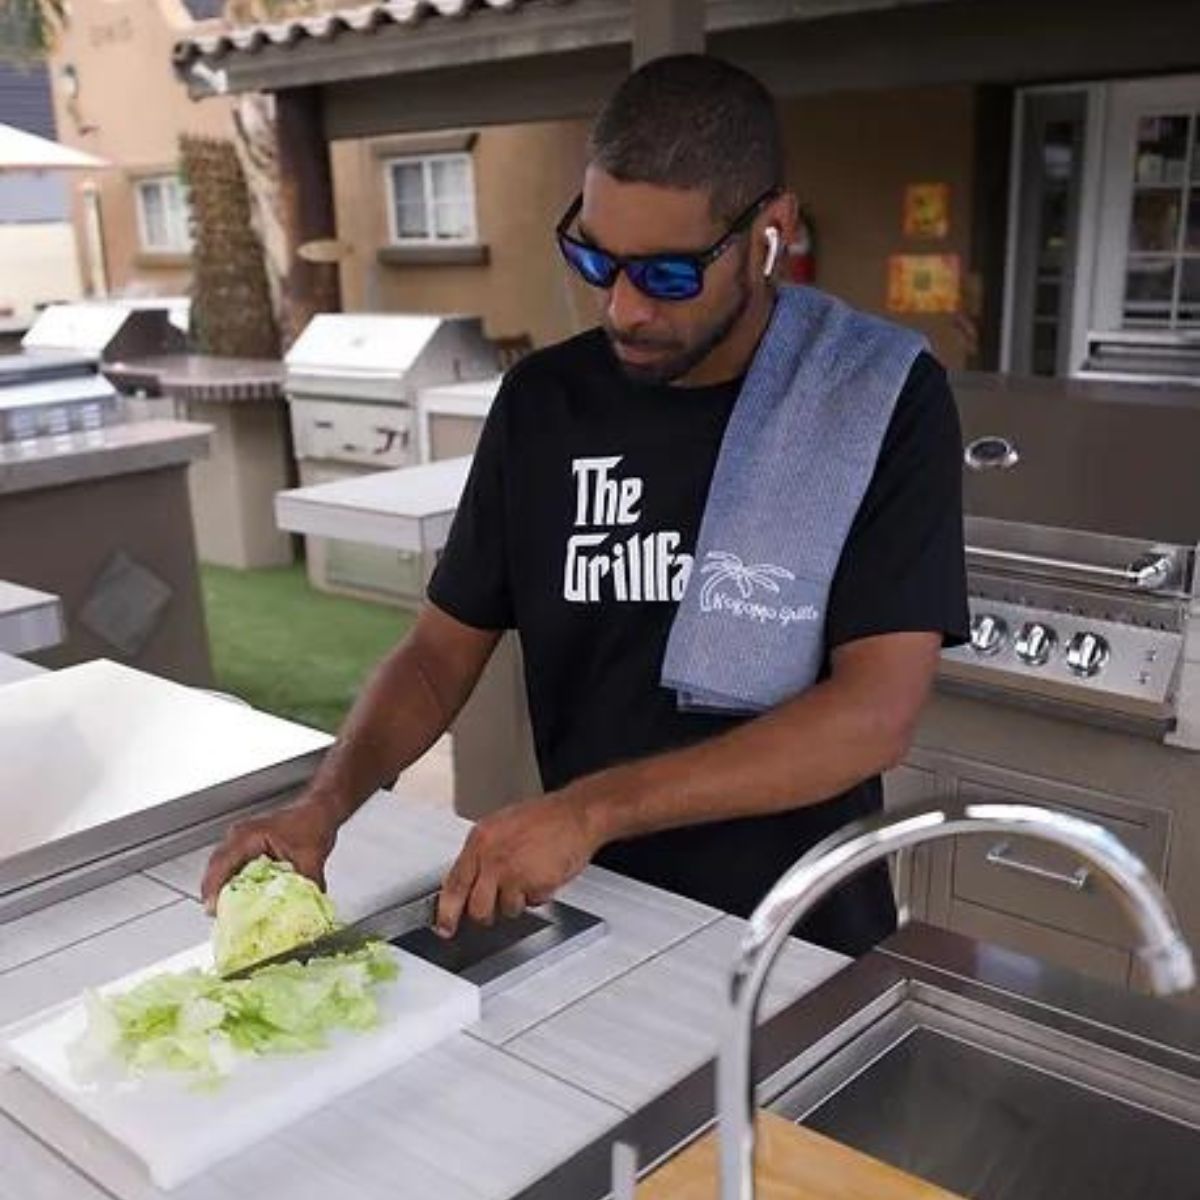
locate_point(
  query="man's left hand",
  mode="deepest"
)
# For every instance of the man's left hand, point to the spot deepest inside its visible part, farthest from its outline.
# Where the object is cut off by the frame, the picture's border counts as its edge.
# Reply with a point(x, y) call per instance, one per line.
point(516, 857)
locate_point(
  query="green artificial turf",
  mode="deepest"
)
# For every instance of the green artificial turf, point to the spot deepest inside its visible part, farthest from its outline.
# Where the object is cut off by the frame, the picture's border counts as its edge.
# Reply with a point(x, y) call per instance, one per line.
point(290, 650)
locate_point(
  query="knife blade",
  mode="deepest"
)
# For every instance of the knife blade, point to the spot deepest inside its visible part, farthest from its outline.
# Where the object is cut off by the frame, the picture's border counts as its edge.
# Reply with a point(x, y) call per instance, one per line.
point(385, 925)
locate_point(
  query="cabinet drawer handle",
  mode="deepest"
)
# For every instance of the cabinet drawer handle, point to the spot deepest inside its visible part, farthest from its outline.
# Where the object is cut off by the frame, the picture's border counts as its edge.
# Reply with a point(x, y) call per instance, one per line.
point(999, 856)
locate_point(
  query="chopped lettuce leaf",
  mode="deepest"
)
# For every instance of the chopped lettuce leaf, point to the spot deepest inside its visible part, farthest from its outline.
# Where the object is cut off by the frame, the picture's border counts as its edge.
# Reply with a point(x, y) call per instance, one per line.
point(268, 907)
point(198, 1023)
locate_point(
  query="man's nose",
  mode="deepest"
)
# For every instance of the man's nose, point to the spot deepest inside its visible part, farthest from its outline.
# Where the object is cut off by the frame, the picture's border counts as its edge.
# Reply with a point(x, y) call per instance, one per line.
point(628, 309)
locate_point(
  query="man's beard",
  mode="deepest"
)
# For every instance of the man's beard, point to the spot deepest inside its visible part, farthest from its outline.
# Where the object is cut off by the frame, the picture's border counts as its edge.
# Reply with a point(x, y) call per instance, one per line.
point(670, 369)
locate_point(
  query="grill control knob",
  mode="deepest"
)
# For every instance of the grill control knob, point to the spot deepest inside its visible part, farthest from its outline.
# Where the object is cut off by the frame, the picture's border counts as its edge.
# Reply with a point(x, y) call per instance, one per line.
point(1034, 643)
point(988, 633)
point(1087, 653)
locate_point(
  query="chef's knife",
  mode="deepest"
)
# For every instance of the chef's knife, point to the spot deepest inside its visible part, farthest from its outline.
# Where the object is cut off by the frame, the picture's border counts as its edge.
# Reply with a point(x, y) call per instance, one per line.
point(386, 925)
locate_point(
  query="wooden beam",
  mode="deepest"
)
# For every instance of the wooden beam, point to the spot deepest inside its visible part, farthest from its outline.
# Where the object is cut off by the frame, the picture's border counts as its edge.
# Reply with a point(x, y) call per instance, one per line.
point(306, 203)
point(547, 87)
point(666, 27)
point(989, 220)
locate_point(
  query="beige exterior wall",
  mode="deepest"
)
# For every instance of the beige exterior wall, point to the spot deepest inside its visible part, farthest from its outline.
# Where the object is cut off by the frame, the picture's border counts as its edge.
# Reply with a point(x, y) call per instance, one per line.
point(850, 156)
point(130, 111)
point(525, 175)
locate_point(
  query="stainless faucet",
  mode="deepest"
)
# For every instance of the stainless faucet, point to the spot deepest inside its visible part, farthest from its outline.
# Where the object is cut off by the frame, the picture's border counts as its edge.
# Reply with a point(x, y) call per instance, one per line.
point(1163, 952)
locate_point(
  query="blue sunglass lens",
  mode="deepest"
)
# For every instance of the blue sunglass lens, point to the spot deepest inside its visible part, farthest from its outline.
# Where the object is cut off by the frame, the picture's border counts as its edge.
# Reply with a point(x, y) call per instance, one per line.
point(596, 267)
point(661, 278)
point(667, 278)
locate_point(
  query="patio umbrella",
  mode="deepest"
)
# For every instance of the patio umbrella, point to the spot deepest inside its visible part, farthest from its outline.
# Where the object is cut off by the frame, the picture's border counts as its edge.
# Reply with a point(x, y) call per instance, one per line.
point(21, 151)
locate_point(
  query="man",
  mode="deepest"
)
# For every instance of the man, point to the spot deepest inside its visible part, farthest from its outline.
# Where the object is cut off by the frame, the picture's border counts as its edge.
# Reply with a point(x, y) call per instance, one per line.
point(596, 461)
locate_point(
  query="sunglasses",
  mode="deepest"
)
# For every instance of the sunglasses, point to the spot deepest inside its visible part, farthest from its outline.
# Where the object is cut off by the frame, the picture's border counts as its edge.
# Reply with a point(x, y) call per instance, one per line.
point(660, 276)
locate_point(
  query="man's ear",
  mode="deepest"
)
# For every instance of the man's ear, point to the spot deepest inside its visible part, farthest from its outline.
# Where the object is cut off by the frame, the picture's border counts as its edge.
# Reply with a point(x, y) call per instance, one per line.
point(785, 213)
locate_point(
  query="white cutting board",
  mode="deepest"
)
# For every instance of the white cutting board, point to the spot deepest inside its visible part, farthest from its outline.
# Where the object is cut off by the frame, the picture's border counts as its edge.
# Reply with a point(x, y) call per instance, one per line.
point(179, 1132)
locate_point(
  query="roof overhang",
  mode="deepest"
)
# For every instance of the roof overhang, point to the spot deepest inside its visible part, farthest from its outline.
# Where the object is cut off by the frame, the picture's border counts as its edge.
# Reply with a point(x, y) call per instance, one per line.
point(416, 36)
point(420, 65)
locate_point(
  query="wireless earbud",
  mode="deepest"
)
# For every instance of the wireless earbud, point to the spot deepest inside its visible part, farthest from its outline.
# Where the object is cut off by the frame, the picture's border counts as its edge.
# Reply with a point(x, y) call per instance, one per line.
point(772, 236)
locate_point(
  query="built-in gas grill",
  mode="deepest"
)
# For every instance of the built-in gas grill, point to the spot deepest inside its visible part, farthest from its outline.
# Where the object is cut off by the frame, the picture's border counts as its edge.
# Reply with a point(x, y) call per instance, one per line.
point(1083, 517)
point(353, 381)
point(109, 331)
point(47, 395)
point(55, 385)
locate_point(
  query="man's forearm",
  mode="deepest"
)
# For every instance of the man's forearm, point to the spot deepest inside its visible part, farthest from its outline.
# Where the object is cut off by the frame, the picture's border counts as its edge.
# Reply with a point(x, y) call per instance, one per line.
point(808, 750)
point(408, 703)
point(395, 719)
point(802, 753)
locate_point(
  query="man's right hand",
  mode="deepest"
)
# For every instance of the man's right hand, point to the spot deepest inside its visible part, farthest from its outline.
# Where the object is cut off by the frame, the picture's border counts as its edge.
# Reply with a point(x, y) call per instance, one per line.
point(302, 833)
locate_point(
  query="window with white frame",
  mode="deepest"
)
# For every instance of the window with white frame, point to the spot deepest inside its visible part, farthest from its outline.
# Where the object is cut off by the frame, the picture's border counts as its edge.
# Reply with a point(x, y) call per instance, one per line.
point(163, 218)
point(1162, 266)
point(1148, 251)
point(431, 200)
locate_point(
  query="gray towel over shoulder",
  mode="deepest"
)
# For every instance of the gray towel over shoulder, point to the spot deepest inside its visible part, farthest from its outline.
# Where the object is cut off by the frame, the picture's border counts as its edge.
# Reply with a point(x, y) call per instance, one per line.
point(798, 453)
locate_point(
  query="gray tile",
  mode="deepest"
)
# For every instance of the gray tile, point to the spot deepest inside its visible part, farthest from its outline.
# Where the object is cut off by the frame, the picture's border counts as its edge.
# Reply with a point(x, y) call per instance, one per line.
point(124, 604)
point(184, 872)
point(631, 1040)
point(390, 850)
point(461, 1122)
point(30, 1171)
point(61, 976)
point(70, 921)
point(642, 921)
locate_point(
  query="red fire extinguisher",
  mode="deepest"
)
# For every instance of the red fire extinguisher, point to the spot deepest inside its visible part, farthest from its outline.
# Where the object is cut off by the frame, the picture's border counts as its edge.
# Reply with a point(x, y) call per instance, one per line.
point(802, 251)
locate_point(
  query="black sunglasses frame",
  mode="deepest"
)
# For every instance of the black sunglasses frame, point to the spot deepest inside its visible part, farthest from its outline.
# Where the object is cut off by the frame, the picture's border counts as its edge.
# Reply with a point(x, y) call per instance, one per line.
point(701, 260)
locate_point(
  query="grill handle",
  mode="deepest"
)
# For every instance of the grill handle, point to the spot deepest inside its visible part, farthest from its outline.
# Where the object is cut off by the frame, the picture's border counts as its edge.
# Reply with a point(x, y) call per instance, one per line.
point(1147, 573)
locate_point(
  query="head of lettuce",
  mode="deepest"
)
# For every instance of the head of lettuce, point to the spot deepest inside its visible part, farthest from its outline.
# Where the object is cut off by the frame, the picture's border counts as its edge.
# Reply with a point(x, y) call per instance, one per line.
point(267, 908)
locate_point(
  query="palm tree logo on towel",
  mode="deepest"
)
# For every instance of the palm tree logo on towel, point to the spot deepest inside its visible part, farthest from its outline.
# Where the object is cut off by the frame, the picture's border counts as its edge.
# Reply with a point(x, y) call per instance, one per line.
point(721, 568)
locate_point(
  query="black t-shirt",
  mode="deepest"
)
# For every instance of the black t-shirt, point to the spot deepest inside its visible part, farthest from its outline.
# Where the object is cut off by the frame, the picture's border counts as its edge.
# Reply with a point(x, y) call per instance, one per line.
point(576, 528)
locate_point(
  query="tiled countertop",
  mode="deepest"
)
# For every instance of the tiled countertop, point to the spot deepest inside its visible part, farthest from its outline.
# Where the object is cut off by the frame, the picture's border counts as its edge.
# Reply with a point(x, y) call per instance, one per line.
point(554, 1062)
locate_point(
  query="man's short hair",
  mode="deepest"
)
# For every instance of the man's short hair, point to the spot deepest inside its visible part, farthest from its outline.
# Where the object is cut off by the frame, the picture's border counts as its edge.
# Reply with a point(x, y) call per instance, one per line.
point(692, 121)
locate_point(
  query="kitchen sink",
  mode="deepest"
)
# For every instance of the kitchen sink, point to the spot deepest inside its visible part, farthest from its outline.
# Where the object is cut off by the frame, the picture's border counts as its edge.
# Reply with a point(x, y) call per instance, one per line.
point(991, 1074)
point(1001, 1108)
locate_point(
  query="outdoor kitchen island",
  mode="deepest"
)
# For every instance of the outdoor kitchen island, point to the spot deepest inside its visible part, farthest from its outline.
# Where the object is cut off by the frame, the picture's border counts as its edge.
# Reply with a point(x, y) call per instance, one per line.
point(555, 1062)
point(101, 518)
point(612, 1045)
